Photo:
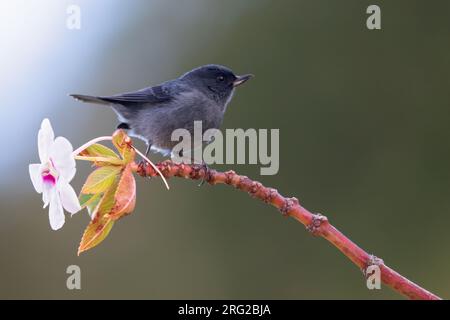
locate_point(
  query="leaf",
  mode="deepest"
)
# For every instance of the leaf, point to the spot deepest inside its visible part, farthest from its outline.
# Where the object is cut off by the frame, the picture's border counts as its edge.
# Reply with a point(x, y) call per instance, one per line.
point(100, 155)
point(123, 144)
point(125, 195)
point(107, 201)
point(95, 233)
point(102, 161)
point(90, 201)
point(100, 179)
point(100, 226)
point(99, 150)
point(85, 199)
point(109, 192)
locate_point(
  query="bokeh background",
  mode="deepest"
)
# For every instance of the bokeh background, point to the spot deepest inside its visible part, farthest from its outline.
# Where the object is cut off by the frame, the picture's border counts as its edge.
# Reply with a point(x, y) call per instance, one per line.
point(364, 138)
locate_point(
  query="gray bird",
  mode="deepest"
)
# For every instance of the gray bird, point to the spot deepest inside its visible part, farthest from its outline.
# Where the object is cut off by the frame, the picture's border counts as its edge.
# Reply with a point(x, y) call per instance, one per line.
point(153, 113)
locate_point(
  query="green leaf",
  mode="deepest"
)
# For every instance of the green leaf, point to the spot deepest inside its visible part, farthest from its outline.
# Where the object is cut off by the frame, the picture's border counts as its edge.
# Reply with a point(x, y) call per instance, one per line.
point(101, 179)
point(107, 201)
point(99, 150)
point(90, 201)
point(99, 227)
point(95, 233)
point(102, 161)
point(85, 199)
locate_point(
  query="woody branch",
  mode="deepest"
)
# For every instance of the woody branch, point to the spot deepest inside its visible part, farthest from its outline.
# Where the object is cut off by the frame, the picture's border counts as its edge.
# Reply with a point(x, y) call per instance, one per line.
point(317, 224)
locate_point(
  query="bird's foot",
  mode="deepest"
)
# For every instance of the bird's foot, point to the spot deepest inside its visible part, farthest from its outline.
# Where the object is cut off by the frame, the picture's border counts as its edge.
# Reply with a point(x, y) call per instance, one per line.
point(206, 170)
point(142, 165)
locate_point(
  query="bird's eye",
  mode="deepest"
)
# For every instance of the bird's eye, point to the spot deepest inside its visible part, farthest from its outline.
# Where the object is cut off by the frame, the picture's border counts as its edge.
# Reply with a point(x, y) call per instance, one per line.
point(220, 78)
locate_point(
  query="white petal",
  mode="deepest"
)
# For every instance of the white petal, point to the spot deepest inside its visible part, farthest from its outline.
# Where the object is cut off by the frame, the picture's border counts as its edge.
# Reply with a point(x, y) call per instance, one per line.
point(56, 213)
point(46, 194)
point(35, 175)
point(68, 196)
point(62, 158)
point(45, 140)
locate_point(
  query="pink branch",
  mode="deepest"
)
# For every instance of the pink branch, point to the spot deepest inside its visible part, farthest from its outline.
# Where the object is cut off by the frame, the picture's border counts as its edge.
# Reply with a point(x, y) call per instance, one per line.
point(317, 224)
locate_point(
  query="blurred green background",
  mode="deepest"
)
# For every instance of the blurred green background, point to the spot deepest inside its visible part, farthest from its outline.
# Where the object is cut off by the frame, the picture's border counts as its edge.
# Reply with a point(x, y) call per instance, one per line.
point(364, 139)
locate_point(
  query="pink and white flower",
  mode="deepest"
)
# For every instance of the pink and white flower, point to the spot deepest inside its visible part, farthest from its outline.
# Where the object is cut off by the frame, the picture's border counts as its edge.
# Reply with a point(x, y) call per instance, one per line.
point(52, 176)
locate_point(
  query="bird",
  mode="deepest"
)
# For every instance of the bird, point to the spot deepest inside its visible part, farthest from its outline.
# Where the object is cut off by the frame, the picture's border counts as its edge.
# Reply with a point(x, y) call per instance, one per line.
point(153, 113)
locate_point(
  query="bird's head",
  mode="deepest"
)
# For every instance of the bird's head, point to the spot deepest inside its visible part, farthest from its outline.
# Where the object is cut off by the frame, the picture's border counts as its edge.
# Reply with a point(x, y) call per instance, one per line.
point(215, 81)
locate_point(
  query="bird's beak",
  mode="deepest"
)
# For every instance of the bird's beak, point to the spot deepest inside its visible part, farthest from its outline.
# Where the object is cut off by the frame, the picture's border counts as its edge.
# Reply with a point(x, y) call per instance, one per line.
point(241, 79)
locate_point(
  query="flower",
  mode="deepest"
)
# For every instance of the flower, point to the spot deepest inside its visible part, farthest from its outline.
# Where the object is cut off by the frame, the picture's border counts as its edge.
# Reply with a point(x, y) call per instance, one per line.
point(52, 176)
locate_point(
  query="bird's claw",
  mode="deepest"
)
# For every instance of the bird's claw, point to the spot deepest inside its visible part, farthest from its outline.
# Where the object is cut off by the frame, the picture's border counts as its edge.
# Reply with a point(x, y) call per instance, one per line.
point(206, 169)
point(142, 165)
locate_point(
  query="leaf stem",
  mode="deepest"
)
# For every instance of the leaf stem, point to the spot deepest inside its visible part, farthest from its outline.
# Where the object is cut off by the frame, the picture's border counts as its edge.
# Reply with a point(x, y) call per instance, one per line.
point(153, 165)
point(90, 143)
point(109, 138)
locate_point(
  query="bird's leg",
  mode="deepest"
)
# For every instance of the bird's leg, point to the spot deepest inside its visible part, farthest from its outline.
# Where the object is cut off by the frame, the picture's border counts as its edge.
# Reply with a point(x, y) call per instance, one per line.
point(143, 163)
point(205, 176)
point(181, 157)
point(149, 146)
point(205, 166)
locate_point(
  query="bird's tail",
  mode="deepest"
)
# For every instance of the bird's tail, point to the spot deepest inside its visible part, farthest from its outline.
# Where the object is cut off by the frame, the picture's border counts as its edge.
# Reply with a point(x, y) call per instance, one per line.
point(90, 99)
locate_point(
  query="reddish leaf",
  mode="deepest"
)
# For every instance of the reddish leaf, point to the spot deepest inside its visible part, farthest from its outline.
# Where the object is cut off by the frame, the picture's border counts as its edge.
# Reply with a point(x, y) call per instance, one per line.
point(125, 196)
point(123, 144)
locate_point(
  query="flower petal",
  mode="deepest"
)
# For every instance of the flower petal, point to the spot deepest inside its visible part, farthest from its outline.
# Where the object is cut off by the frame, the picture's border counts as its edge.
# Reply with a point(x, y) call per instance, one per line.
point(56, 213)
point(45, 140)
point(35, 175)
point(62, 158)
point(68, 196)
point(46, 195)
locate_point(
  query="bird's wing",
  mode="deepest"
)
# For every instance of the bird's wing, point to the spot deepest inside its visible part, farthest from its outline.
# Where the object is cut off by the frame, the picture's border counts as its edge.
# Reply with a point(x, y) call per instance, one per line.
point(150, 95)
